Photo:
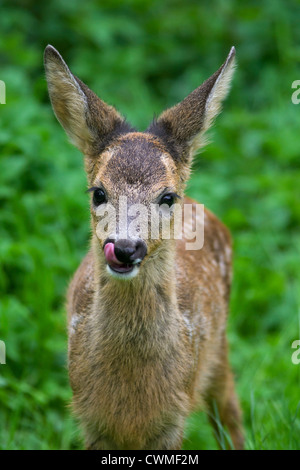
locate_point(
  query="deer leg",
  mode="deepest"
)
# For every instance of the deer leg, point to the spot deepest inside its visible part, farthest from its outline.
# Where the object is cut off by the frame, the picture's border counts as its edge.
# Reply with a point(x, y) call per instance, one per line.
point(224, 409)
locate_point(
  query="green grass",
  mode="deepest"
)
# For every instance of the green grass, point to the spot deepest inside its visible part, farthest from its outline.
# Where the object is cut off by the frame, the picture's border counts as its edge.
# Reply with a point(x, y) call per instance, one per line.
point(143, 57)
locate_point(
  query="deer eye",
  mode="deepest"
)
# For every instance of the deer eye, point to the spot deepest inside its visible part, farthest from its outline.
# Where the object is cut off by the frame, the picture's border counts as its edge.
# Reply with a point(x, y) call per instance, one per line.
point(99, 197)
point(168, 199)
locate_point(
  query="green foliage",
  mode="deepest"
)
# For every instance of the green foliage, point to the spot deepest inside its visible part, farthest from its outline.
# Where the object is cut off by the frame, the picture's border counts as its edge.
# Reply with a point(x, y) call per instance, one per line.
point(143, 56)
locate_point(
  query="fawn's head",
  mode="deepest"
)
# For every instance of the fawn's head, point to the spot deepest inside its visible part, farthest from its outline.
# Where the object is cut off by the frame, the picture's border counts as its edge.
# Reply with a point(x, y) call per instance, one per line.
point(132, 174)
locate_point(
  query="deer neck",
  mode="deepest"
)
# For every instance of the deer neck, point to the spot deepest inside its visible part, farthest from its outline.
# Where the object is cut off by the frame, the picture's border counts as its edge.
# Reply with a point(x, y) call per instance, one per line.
point(142, 309)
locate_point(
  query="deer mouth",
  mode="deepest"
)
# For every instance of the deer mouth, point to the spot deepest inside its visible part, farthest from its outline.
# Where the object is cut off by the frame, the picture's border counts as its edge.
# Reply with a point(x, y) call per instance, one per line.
point(115, 265)
point(122, 268)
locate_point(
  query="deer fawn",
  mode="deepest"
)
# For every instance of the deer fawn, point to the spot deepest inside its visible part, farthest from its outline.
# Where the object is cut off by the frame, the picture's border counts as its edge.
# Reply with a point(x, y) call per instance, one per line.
point(147, 317)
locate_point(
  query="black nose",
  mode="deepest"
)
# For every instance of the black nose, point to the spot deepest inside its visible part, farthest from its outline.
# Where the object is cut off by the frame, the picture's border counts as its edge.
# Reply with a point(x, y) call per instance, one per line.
point(128, 251)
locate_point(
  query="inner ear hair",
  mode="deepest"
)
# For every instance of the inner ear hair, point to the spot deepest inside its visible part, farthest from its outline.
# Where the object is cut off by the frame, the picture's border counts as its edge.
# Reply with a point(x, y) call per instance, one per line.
point(89, 122)
point(183, 126)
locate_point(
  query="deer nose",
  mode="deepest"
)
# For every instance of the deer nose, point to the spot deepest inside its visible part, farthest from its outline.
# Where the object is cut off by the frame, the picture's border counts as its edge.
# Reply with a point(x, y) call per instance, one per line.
point(129, 251)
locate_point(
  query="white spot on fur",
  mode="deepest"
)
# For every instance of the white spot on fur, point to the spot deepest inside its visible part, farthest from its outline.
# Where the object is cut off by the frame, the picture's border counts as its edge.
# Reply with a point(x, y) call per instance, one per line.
point(74, 322)
point(228, 252)
point(186, 317)
point(222, 265)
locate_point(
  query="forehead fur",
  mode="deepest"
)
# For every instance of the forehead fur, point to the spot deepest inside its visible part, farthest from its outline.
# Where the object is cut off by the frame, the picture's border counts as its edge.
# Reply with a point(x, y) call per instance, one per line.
point(135, 159)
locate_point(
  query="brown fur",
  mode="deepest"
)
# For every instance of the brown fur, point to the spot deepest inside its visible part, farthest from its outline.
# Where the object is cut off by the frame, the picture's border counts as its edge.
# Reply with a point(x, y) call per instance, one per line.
point(145, 352)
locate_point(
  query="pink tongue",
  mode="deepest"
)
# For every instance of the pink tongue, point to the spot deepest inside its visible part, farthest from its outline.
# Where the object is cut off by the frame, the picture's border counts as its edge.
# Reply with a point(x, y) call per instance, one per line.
point(109, 252)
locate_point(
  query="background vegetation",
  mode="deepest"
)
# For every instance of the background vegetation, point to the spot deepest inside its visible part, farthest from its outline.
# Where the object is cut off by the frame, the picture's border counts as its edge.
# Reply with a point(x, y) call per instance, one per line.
point(142, 56)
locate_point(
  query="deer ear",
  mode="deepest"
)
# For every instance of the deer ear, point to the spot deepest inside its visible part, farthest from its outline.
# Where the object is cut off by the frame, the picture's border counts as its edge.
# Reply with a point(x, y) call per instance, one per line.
point(88, 121)
point(182, 127)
